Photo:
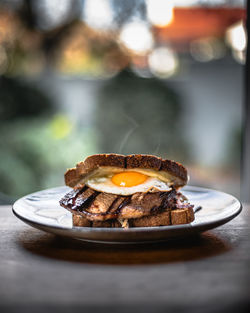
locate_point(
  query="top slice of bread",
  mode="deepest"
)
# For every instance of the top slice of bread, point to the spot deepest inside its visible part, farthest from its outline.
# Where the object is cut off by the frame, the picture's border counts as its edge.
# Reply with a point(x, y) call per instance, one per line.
point(176, 171)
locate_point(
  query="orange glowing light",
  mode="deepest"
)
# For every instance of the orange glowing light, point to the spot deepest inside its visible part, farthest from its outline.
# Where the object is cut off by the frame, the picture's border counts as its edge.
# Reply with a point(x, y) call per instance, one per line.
point(198, 22)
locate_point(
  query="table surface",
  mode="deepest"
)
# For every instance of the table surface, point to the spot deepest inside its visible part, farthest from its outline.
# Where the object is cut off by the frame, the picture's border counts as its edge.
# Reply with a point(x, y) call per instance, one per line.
point(42, 272)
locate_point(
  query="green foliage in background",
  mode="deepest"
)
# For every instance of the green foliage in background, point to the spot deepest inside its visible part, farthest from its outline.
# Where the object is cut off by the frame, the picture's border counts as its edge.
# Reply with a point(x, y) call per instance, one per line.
point(36, 144)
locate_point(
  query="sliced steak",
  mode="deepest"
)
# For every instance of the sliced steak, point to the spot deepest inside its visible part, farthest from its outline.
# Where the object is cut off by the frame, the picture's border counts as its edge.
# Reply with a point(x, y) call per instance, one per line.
point(78, 199)
point(100, 206)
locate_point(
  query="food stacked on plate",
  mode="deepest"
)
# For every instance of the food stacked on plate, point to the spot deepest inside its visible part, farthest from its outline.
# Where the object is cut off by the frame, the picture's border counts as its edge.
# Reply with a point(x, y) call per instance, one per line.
point(113, 190)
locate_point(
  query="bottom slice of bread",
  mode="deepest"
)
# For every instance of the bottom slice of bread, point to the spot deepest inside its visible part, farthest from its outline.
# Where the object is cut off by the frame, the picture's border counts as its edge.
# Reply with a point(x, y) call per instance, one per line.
point(168, 217)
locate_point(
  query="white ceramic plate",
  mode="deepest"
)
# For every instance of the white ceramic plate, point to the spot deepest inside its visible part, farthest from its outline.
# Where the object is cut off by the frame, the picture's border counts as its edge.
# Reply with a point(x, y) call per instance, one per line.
point(42, 210)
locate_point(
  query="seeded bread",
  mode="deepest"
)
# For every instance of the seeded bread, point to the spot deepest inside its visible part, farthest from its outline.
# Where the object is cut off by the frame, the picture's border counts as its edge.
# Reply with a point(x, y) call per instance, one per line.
point(177, 171)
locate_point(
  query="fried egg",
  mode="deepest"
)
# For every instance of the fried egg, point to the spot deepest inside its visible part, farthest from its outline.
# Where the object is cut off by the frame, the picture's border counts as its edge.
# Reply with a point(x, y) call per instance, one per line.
point(125, 182)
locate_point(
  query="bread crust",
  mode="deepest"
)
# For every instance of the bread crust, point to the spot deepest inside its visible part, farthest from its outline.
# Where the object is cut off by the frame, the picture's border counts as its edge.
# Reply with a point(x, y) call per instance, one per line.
point(97, 160)
point(71, 177)
point(176, 170)
point(143, 161)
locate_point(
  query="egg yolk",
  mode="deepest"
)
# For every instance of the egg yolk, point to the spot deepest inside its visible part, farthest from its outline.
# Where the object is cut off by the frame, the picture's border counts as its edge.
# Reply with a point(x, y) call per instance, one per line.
point(128, 179)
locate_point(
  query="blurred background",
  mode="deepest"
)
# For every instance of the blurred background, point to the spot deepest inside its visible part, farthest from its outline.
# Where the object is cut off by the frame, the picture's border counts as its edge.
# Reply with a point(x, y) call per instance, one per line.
point(79, 77)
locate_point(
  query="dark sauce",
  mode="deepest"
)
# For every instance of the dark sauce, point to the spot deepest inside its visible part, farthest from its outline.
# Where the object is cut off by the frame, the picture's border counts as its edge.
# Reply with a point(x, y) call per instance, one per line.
point(112, 205)
point(125, 202)
point(83, 203)
point(70, 198)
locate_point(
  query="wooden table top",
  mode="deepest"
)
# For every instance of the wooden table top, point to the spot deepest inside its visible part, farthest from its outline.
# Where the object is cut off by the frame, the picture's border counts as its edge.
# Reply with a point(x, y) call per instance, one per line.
point(40, 272)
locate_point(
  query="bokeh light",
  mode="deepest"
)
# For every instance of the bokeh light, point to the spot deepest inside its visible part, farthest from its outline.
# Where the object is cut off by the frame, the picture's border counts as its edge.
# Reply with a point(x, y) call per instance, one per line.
point(60, 126)
point(137, 37)
point(163, 62)
point(207, 49)
point(98, 14)
point(236, 38)
point(51, 13)
point(160, 12)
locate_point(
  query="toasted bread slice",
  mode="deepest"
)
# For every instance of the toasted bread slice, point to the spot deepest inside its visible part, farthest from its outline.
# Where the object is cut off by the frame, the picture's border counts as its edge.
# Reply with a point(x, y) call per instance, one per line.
point(175, 172)
point(168, 217)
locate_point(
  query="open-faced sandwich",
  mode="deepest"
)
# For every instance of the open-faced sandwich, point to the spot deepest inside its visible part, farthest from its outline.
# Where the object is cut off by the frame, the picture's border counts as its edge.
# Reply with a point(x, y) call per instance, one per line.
point(113, 190)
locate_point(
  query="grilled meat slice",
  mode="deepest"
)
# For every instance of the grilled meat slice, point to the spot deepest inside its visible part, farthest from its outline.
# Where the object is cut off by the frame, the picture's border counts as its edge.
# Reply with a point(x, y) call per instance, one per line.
point(78, 199)
point(104, 207)
point(100, 206)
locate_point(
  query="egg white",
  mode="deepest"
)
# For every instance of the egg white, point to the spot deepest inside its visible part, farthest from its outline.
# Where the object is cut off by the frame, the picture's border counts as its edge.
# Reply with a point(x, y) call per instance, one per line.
point(104, 184)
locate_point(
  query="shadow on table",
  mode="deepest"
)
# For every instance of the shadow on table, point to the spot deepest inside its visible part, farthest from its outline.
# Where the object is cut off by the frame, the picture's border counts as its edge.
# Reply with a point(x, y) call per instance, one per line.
point(178, 250)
